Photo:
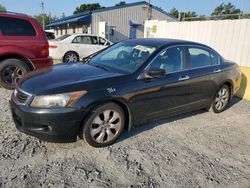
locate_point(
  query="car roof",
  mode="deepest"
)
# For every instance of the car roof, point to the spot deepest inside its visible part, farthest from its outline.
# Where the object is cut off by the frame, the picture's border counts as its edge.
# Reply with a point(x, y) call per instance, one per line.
point(15, 15)
point(82, 34)
point(158, 42)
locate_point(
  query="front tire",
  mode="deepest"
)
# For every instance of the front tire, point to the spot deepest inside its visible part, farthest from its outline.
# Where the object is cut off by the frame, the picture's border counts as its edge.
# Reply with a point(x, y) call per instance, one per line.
point(71, 57)
point(11, 71)
point(221, 99)
point(104, 126)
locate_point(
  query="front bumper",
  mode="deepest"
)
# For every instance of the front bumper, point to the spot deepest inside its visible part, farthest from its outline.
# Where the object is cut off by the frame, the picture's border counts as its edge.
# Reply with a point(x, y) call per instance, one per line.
point(52, 125)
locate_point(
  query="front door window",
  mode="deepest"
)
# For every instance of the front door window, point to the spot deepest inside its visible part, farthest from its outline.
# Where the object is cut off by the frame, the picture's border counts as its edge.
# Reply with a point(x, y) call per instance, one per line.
point(171, 60)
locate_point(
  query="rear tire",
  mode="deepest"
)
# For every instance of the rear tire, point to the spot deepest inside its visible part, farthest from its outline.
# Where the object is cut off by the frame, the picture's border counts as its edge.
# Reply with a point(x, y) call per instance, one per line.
point(104, 126)
point(11, 71)
point(221, 99)
point(71, 57)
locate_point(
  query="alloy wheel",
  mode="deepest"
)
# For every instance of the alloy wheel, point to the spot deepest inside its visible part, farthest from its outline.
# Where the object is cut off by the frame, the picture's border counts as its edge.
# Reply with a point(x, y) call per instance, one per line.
point(12, 74)
point(221, 99)
point(71, 57)
point(105, 126)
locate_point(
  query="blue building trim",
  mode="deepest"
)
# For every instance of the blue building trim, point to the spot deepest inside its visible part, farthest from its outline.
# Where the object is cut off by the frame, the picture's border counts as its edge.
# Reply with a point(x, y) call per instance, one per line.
point(134, 23)
point(86, 13)
point(82, 19)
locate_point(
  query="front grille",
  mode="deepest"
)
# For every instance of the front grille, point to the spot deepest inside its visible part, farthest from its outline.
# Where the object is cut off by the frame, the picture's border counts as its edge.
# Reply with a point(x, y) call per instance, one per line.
point(21, 97)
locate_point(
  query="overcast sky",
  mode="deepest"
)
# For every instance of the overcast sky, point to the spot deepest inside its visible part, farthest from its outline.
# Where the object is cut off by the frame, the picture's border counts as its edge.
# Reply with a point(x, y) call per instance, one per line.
point(57, 7)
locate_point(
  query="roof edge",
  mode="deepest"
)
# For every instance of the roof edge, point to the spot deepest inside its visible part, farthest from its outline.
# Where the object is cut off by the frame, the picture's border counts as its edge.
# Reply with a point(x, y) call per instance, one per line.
point(113, 8)
point(134, 4)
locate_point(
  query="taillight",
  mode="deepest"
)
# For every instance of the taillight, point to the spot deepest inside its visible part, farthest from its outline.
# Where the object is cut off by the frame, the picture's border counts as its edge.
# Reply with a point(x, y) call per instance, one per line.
point(45, 50)
point(52, 46)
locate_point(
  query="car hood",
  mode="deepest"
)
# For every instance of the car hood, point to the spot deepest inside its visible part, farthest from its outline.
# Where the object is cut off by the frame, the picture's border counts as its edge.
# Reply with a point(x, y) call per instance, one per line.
point(65, 76)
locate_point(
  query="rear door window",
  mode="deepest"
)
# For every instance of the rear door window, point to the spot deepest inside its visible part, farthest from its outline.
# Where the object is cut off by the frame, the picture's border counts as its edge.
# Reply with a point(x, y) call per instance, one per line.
point(199, 57)
point(16, 27)
point(77, 40)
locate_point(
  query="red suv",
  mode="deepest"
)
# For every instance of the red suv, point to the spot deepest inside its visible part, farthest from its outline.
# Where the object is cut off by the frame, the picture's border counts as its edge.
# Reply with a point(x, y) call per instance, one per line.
point(23, 48)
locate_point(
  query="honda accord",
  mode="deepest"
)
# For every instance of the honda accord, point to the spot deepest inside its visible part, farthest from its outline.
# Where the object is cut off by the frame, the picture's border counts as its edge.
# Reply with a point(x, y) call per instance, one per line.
point(127, 84)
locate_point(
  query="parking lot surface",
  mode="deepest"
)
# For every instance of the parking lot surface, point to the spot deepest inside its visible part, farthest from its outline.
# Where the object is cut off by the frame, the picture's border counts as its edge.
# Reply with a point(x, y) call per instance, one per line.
point(198, 149)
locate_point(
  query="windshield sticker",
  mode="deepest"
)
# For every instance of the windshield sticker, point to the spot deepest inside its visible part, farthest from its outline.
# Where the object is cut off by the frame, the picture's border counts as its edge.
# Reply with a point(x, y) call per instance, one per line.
point(143, 48)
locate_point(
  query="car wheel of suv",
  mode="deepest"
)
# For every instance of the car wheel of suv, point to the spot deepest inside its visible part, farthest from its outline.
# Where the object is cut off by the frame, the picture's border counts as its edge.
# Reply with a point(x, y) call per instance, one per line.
point(71, 57)
point(104, 126)
point(11, 70)
point(221, 99)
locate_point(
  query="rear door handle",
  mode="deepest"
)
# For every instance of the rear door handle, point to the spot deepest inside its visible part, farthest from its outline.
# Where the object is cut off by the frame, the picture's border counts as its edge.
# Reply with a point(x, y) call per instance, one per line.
point(182, 78)
point(217, 70)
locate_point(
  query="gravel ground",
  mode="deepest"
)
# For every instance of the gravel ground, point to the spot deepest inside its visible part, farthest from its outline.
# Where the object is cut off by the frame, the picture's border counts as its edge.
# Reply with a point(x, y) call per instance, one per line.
point(198, 149)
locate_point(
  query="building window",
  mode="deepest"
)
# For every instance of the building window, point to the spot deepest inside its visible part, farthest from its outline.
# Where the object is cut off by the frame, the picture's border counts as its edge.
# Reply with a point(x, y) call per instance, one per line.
point(84, 29)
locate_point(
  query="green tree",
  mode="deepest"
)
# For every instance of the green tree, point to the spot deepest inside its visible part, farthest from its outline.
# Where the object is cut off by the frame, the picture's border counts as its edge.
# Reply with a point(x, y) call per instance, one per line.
point(174, 12)
point(87, 7)
point(188, 16)
point(2, 8)
point(47, 19)
point(202, 18)
point(121, 3)
point(223, 10)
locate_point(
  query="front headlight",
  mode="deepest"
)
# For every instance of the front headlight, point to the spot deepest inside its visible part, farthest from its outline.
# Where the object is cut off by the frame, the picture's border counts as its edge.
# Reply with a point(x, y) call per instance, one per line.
point(57, 100)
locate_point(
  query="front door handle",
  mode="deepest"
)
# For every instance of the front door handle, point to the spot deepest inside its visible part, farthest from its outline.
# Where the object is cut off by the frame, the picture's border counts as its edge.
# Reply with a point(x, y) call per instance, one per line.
point(182, 78)
point(217, 70)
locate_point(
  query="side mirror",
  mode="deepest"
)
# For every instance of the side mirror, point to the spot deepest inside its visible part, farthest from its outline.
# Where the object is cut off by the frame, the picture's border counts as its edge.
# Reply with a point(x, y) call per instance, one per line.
point(154, 73)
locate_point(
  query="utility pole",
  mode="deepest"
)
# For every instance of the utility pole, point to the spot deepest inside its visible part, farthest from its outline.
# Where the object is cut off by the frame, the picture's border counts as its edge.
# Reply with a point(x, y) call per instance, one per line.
point(42, 5)
point(241, 8)
point(179, 16)
point(149, 10)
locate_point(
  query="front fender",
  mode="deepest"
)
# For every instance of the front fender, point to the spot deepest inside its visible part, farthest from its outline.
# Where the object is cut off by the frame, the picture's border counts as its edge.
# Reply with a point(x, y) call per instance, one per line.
point(122, 102)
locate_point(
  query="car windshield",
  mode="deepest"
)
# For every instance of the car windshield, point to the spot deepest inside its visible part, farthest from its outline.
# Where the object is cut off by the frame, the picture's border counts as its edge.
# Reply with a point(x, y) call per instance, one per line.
point(123, 57)
point(62, 37)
